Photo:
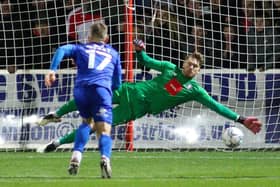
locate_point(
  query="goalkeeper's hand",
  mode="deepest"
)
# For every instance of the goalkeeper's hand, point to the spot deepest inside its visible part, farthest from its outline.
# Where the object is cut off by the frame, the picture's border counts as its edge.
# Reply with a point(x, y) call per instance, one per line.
point(50, 78)
point(139, 45)
point(251, 122)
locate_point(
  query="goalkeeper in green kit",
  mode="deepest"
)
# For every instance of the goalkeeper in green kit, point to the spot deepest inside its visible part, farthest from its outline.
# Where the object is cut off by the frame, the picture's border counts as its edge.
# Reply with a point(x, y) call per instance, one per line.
point(172, 87)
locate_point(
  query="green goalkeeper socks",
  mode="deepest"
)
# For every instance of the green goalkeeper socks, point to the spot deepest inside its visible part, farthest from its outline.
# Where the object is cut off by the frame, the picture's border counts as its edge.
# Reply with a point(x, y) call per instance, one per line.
point(68, 107)
point(68, 138)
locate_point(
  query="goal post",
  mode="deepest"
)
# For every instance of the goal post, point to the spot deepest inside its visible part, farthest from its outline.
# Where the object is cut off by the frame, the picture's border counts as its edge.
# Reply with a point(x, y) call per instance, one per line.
point(129, 8)
point(239, 41)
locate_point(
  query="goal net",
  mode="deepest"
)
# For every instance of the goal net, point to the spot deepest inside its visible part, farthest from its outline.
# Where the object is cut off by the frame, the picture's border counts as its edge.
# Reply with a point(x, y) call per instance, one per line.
point(240, 42)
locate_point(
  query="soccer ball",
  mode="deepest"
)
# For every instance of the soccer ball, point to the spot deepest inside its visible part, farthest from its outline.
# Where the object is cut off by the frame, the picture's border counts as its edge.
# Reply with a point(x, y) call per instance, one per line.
point(232, 137)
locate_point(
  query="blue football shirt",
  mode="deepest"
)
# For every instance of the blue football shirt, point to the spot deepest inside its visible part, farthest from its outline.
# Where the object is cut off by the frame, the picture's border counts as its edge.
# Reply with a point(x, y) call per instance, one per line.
point(97, 63)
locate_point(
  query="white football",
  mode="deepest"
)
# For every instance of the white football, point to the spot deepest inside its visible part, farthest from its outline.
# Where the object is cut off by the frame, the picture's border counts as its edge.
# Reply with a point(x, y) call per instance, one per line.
point(232, 137)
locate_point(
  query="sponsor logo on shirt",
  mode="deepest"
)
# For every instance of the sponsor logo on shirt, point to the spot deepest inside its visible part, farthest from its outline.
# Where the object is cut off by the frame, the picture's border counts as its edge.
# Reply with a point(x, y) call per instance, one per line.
point(173, 86)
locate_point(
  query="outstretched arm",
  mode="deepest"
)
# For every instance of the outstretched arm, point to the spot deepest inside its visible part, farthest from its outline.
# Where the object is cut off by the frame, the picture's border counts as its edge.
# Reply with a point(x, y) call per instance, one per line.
point(147, 61)
point(61, 52)
point(252, 123)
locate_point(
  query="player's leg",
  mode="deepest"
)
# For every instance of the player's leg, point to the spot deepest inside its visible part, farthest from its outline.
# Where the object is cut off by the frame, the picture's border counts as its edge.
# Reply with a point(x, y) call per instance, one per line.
point(81, 138)
point(70, 137)
point(105, 148)
point(84, 104)
point(55, 117)
point(123, 114)
point(66, 139)
point(54, 144)
point(102, 114)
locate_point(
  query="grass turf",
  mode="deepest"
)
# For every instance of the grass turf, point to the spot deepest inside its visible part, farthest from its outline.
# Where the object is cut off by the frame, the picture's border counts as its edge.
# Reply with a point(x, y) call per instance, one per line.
point(149, 169)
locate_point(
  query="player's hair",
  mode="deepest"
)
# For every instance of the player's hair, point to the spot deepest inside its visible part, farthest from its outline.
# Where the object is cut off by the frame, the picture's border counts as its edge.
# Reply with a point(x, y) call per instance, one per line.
point(198, 56)
point(99, 30)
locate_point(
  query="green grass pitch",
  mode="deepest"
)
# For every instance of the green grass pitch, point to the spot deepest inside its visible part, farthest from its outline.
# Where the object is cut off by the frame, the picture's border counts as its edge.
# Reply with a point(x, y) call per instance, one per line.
point(144, 169)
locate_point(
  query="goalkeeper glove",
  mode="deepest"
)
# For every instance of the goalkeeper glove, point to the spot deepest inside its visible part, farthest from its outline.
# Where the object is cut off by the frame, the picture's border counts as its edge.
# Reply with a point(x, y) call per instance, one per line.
point(252, 123)
point(139, 45)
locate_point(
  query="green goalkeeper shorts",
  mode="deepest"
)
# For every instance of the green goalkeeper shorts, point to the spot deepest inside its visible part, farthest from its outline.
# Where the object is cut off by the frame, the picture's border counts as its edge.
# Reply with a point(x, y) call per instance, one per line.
point(131, 104)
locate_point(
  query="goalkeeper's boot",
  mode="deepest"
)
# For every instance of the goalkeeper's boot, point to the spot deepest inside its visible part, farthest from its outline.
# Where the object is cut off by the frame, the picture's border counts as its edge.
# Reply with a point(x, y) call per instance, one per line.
point(50, 147)
point(105, 166)
point(50, 117)
point(73, 167)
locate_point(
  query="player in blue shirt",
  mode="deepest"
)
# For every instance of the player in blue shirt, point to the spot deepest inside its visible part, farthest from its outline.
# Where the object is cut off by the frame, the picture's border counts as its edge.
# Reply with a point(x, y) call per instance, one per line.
point(98, 73)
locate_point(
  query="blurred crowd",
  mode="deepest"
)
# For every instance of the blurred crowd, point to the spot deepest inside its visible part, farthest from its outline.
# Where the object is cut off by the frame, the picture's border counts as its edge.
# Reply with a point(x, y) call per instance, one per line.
point(241, 34)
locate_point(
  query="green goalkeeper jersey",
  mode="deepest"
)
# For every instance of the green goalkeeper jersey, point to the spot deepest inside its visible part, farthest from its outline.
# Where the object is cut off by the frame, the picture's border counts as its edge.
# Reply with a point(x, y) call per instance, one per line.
point(171, 88)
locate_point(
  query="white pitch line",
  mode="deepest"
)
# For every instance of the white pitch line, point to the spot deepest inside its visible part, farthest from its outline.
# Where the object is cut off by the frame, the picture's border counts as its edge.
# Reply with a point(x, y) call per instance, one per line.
point(167, 157)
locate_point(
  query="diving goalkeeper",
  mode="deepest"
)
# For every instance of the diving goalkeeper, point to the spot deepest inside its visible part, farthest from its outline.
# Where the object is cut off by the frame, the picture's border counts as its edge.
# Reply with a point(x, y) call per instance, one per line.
point(172, 87)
